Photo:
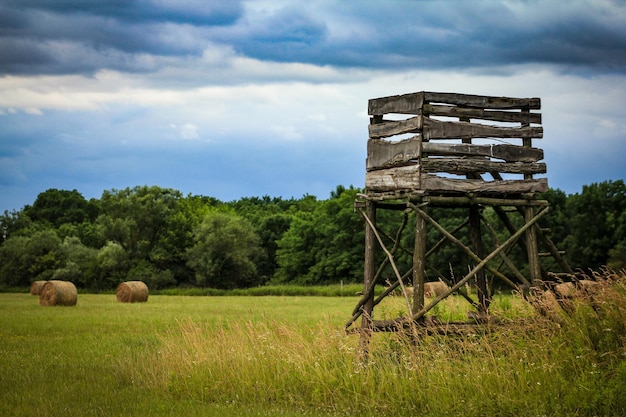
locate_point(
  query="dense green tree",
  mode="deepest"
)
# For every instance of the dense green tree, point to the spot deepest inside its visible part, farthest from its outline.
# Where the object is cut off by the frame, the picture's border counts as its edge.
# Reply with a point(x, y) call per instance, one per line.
point(597, 223)
point(323, 245)
point(113, 264)
point(270, 230)
point(13, 223)
point(617, 257)
point(271, 218)
point(14, 262)
point(296, 251)
point(342, 237)
point(308, 203)
point(61, 206)
point(90, 234)
point(137, 219)
point(225, 252)
point(257, 207)
point(80, 265)
point(154, 277)
point(170, 253)
point(156, 235)
point(24, 259)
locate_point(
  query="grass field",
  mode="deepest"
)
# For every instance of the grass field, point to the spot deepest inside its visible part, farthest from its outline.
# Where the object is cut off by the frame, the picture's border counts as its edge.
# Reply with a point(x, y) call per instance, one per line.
point(288, 356)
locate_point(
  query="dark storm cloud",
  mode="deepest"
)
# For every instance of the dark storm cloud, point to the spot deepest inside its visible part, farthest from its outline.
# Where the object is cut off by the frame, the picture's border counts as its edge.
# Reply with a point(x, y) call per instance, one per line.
point(430, 34)
point(38, 36)
point(138, 11)
point(64, 37)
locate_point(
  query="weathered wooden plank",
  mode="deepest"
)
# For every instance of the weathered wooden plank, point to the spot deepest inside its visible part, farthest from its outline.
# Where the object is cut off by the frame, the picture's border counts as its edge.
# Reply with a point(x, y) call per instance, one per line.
point(485, 102)
point(404, 104)
point(391, 128)
point(508, 153)
point(464, 166)
point(434, 183)
point(405, 177)
point(436, 129)
point(412, 103)
point(443, 200)
point(456, 201)
point(384, 154)
point(474, 113)
point(409, 178)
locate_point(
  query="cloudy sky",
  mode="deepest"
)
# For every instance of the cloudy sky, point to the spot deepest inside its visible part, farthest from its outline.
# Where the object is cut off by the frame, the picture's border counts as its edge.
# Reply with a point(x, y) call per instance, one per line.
point(233, 98)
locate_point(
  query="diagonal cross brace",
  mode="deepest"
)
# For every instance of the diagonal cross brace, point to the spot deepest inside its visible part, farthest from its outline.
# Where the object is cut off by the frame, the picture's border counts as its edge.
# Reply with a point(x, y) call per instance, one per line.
point(456, 241)
point(390, 257)
point(480, 265)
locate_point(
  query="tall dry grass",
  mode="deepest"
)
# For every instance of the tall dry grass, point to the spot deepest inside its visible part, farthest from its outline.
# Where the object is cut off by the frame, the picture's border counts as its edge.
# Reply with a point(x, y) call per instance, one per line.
point(532, 366)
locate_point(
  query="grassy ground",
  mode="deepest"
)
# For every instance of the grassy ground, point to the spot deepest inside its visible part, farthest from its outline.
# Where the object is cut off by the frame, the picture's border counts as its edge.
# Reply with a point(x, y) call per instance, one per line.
point(288, 356)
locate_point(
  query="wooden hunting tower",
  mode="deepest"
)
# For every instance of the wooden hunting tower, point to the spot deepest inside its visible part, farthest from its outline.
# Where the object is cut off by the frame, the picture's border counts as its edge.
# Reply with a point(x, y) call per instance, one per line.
point(449, 150)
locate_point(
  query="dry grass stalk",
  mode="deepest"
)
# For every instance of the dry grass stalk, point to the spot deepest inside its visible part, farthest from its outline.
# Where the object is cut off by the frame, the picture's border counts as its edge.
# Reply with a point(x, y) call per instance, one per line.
point(58, 293)
point(132, 292)
point(559, 300)
point(36, 286)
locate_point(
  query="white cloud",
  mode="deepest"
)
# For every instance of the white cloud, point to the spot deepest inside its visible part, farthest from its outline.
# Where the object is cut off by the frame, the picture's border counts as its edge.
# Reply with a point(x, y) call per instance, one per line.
point(318, 117)
point(286, 132)
point(33, 110)
point(187, 131)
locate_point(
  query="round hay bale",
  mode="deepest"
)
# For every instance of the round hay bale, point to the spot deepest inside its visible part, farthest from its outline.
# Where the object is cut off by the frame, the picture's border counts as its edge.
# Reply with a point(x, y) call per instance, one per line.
point(36, 286)
point(435, 289)
point(58, 293)
point(132, 292)
point(588, 285)
point(566, 289)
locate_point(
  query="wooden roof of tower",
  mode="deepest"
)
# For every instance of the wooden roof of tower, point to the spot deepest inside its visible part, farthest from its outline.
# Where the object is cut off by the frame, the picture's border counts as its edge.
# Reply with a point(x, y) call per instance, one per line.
point(429, 143)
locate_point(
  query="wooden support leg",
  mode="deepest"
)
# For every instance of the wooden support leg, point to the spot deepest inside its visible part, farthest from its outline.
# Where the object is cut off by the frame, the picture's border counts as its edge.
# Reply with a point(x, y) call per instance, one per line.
point(368, 281)
point(477, 247)
point(533, 248)
point(419, 264)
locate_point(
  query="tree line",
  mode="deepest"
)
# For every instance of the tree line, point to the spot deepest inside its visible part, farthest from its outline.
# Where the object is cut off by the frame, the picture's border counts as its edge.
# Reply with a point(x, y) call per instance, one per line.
point(166, 239)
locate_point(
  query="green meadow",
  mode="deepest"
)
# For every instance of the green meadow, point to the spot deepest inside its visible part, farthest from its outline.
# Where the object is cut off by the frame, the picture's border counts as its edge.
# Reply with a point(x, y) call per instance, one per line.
point(289, 356)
